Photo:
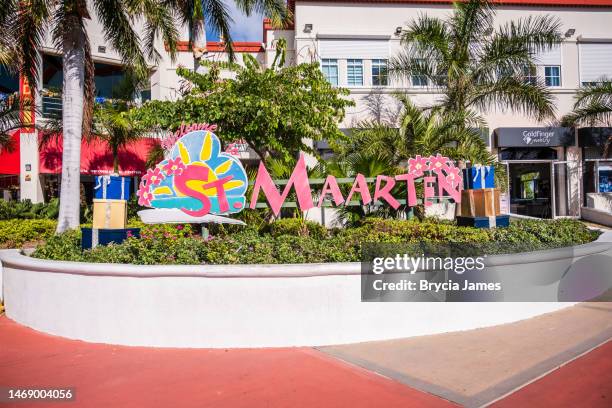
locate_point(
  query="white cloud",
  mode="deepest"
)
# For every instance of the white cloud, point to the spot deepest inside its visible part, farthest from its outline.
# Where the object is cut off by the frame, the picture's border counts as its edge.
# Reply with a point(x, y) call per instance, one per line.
point(243, 28)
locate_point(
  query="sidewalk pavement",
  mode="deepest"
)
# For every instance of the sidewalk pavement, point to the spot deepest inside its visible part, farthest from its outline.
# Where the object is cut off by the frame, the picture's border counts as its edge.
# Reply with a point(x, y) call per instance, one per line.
point(476, 367)
point(500, 365)
point(115, 376)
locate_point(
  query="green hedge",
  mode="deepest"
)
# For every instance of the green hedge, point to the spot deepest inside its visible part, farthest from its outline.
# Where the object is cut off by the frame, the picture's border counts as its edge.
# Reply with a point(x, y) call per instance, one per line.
point(14, 233)
point(10, 210)
point(297, 241)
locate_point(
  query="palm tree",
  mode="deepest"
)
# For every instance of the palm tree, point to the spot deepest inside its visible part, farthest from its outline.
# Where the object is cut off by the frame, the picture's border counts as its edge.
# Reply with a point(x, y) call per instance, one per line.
point(415, 131)
point(419, 131)
point(593, 107)
point(478, 66)
point(30, 20)
point(112, 126)
point(11, 109)
point(196, 14)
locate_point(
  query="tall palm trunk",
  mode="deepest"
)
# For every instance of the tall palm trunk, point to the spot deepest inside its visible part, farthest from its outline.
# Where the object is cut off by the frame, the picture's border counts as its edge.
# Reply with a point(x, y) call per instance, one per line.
point(72, 115)
point(115, 151)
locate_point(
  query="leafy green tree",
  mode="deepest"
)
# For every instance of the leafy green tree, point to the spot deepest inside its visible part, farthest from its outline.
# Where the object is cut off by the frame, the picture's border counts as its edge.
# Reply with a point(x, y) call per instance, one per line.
point(29, 21)
point(274, 110)
point(476, 65)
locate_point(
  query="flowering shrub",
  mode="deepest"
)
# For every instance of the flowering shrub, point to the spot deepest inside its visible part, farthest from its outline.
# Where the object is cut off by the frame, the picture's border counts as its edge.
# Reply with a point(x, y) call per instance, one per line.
point(297, 241)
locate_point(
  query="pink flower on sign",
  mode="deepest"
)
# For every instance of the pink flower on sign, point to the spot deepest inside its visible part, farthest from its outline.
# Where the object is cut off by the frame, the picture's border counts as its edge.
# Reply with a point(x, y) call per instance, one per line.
point(153, 176)
point(438, 163)
point(174, 166)
point(453, 175)
point(144, 195)
point(417, 165)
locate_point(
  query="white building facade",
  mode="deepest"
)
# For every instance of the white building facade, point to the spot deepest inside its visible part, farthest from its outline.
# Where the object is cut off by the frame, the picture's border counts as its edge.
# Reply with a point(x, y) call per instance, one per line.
point(550, 175)
point(552, 171)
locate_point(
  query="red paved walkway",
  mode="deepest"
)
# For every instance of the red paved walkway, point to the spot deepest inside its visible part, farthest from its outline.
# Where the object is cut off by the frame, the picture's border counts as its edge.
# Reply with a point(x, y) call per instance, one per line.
point(111, 376)
point(585, 382)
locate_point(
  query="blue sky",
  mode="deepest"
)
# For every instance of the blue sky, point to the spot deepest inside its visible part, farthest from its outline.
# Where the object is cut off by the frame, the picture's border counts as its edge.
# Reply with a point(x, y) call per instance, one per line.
point(243, 28)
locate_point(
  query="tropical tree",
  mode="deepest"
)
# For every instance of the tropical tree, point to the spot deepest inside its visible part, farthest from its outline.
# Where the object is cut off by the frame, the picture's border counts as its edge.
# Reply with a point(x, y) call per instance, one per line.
point(275, 110)
point(114, 127)
point(11, 110)
point(197, 14)
point(29, 21)
point(384, 144)
point(418, 131)
point(477, 66)
point(593, 107)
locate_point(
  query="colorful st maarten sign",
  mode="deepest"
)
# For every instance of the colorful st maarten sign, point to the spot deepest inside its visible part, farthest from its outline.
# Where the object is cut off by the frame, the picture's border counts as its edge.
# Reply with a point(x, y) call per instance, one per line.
point(198, 182)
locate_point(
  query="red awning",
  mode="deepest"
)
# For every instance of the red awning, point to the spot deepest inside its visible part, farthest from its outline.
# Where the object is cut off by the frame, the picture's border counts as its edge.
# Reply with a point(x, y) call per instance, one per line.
point(9, 159)
point(96, 158)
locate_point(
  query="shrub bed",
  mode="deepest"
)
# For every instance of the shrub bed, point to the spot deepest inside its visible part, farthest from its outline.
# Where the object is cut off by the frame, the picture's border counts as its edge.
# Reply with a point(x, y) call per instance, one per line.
point(296, 241)
point(14, 233)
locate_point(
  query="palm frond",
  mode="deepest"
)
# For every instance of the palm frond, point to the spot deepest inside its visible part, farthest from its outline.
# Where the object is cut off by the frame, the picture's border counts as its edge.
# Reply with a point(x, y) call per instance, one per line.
point(429, 37)
point(118, 25)
point(275, 10)
point(469, 22)
point(537, 33)
point(598, 93)
point(512, 93)
point(592, 114)
point(218, 18)
point(8, 41)
point(29, 29)
point(159, 22)
point(11, 109)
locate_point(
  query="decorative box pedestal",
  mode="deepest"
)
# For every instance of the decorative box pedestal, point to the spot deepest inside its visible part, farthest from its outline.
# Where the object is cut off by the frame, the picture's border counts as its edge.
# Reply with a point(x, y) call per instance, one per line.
point(92, 237)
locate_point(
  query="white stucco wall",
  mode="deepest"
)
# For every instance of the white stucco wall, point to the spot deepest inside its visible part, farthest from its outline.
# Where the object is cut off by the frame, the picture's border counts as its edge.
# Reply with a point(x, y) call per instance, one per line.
point(272, 305)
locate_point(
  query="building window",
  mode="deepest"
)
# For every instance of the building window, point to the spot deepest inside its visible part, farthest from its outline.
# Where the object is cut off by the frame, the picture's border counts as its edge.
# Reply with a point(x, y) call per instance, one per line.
point(379, 72)
point(330, 70)
point(552, 75)
point(418, 80)
point(354, 72)
point(530, 75)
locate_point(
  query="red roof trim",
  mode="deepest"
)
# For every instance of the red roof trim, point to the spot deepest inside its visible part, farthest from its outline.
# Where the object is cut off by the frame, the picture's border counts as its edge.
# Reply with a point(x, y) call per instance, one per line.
point(216, 46)
point(550, 3)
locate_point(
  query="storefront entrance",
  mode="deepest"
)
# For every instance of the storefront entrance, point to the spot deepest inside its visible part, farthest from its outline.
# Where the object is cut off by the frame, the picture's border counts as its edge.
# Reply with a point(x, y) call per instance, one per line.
point(530, 189)
point(543, 171)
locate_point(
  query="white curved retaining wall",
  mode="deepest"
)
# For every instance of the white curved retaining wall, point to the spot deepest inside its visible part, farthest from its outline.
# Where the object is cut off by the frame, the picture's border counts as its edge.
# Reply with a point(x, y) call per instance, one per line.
point(235, 306)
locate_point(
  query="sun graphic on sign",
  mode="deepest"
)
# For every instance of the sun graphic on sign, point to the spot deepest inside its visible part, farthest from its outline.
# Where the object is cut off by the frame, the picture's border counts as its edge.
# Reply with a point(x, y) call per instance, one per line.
point(197, 178)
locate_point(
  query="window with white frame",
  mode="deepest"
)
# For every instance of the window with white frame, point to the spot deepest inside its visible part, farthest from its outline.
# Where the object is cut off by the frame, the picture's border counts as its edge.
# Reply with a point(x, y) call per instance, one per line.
point(330, 70)
point(595, 62)
point(552, 75)
point(354, 72)
point(379, 72)
point(530, 75)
